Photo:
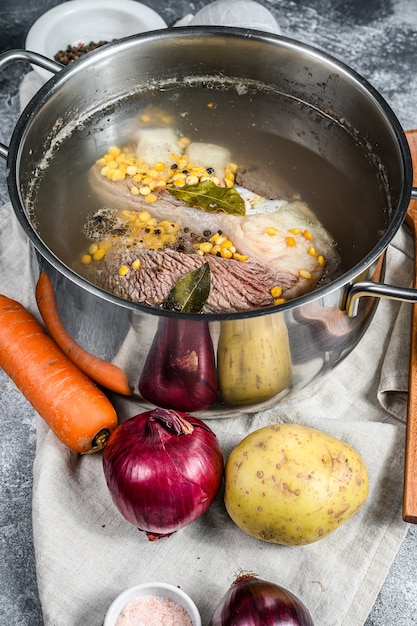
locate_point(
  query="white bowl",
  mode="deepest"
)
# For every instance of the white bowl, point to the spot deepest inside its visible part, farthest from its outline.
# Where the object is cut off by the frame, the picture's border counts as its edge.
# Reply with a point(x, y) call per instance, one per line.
point(152, 589)
point(83, 21)
point(240, 13)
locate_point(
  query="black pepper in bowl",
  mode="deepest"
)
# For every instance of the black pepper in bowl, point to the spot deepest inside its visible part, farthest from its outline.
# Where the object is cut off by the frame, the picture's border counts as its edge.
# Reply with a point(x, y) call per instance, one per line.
point(72, 53)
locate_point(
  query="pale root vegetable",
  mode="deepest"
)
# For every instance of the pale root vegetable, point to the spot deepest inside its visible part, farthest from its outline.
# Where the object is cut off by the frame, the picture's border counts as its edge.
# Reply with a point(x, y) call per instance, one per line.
point(293, 485)
point(253, 359)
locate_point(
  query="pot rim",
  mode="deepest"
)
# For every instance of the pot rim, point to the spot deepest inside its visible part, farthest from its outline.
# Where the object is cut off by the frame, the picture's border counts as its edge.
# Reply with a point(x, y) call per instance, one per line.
point(64, 75)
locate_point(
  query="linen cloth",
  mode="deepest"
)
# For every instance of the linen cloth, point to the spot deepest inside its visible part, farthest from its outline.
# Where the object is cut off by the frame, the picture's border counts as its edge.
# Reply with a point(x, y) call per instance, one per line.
point(86, 553)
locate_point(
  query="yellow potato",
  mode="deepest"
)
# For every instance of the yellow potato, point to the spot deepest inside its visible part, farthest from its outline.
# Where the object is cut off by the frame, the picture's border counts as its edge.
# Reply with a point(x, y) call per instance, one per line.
point(293, 485)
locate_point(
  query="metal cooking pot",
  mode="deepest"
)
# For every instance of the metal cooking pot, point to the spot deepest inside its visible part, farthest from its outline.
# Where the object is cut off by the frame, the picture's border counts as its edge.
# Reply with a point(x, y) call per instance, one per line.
point(360, 191)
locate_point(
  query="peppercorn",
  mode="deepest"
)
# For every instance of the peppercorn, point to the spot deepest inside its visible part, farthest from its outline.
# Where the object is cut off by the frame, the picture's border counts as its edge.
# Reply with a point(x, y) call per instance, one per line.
point(72, 53)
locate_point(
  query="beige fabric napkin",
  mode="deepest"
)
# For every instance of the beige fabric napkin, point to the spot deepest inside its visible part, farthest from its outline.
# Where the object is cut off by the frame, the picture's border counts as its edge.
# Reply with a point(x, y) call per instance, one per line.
point(87, 553)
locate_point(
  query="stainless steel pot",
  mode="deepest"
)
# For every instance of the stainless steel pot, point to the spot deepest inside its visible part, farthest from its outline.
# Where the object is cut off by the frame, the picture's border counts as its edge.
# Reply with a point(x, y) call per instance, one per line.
point(320, 104)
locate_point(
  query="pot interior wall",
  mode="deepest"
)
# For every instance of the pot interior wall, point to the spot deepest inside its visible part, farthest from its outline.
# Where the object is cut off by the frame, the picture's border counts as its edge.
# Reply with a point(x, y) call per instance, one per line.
point(301, 122)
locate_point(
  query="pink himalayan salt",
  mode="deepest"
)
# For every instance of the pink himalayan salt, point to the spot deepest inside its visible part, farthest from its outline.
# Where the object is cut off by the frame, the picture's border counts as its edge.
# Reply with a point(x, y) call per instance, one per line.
point(153, 611)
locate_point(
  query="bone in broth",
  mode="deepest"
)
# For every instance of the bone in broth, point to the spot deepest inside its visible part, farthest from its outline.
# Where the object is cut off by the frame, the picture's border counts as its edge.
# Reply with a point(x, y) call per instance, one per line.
point(236, 180)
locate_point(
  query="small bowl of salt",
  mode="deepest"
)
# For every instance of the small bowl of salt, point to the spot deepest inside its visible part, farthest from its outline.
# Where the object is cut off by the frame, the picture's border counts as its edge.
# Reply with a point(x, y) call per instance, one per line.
point(153, 604)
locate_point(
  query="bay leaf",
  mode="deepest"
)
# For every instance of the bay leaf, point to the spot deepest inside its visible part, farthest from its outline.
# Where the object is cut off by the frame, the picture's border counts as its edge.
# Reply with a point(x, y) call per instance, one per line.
point(189, 294)
point(210, 197)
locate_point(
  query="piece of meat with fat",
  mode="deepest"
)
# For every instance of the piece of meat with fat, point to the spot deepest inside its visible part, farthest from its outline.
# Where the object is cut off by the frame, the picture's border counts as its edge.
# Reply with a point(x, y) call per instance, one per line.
point(236, 285)
point(277, 236)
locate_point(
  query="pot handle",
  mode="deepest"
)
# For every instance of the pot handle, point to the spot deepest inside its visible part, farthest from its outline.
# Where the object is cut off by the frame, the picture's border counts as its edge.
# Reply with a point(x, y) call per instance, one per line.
point(391, 292)
point(15, 56)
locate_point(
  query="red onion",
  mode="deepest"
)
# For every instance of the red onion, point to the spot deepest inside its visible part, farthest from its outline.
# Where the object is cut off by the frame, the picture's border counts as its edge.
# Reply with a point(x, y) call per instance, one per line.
point(250, 601)
point(163, 469)
point(180, 370)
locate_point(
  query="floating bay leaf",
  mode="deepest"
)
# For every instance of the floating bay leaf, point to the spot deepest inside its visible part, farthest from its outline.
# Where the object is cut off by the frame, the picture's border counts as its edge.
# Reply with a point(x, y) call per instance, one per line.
point(190, 293)
point(210, 197)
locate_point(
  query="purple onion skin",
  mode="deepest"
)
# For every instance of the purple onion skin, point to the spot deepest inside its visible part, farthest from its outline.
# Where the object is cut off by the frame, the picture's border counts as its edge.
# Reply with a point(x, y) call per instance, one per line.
point(250, 601)
point(163, 469)
point(180, 369)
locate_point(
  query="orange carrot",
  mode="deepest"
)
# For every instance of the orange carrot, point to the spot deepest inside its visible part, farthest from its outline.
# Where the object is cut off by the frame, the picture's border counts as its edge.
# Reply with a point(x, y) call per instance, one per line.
point(72, 405)
point(102, 372)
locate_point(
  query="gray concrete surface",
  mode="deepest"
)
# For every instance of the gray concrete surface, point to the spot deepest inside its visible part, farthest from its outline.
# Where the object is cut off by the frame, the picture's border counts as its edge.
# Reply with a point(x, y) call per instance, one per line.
point(377, 38)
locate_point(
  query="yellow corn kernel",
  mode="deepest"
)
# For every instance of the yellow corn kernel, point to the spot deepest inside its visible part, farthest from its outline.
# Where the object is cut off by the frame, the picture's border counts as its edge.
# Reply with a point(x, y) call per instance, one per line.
point(134, 190)
point(279, 301)
point(183, 162)
point(104, 170)
point(321, 260)
point(151, 198)
point(131, 170)
point(211, 105)
point(216, 249)
point(240, 257)
point(123, 270)
point(160, 183)
point(295, 231)
point(183, 142)
point(307, 235)
point(226, 243)
point(200, 252)
point(290, 241)
point(225, 253)
point(276, 292)
point(215, 237)
point(143, 168)
point(232, 167)
point(136, 264)
point(178, 176)
point(271, 230)
point(205, 247)
point(151, 222)
point(167, 238)
point(114, 151)
point(99, 254)
point(215, 180)
point(93, 248)
point(118, 175)
point(160, 166)
point(312, 251)
point(144, 216)
point(101, 162)
point(86, 259)
point(145, 190)
point(145, 118)
point(179, 182)
point(229, 183)
point(305, 274)
point(198, 171)
point(192, 179)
